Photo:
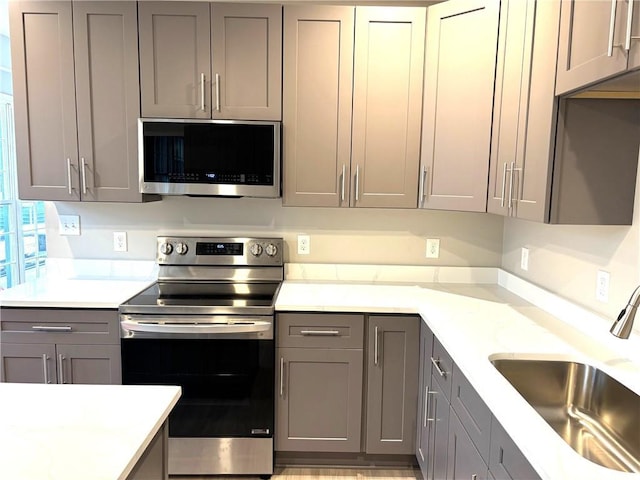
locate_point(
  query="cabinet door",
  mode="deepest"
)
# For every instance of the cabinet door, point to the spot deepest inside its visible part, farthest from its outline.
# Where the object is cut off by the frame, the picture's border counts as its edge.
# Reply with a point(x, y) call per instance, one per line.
point(463, 461)
point(525, 110)
point(592, 38)
point(89, 364)
point(458, 102)
point(318, 73)
point(506, 461)
point(246, 42)
point(422, 430)
point(28, 363)
point(438, 419)
point(634, 37)
point(108, 93)
point(392, 383)
point(175, 59)
point(44, 98)
point(319, 400)
point(388, 79)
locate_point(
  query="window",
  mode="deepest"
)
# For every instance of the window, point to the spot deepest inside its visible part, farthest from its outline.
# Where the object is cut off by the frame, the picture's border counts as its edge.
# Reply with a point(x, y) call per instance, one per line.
point(23, 245)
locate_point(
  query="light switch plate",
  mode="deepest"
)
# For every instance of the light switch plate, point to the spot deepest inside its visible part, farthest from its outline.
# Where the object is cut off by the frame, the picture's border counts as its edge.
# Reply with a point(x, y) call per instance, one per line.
point(69, 224)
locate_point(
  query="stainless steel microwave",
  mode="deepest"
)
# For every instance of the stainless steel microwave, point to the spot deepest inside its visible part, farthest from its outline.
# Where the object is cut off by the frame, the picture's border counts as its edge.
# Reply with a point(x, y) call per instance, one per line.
point(209, 157)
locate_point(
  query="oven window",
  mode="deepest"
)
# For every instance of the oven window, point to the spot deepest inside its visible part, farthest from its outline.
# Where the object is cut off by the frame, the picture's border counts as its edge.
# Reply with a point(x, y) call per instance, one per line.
point(227, 385)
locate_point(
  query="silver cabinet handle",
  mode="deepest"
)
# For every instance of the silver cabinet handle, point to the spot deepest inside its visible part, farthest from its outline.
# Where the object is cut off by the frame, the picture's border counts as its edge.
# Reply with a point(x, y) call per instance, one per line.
point(504, 183)
point(627, 43)
point(423, 185)
point(61, 367)
point(281, 376)
point(427, 418)
point(69, 176)
point(436, 363)
point(612, 27)
point(45, 360)
point(320, 333)
point(217, 92)
point(376, 351)
point(202, 82)
point(426, 406)
point(55, 329)
point(510, 204)
point(83, 170)
point(344, 168)
point(357, 181)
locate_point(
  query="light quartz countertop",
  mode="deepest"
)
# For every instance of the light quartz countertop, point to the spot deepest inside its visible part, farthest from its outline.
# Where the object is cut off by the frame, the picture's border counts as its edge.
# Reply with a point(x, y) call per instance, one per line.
point(78, 432)
point(493, 318)
point(82, 284)
point(476, 313)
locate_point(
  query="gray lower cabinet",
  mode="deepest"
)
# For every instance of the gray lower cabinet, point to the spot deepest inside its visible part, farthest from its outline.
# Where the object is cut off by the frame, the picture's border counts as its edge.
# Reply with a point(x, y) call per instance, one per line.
point(319, 382)
point(392, 385)
point(460, 438)
point(76, 93)
point(59, 346)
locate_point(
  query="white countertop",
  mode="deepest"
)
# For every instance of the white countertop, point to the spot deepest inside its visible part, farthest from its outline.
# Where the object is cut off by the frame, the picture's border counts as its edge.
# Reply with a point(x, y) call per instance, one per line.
point(82, 284)
point(476, 322)
point(78, 432)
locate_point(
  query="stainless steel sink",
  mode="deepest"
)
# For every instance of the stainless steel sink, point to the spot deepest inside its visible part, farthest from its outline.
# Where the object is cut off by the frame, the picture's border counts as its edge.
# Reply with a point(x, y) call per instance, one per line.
point(595, 414)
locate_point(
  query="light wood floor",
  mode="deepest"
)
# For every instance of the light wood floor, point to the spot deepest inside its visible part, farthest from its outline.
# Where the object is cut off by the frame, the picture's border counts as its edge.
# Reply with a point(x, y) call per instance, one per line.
point(298, 473)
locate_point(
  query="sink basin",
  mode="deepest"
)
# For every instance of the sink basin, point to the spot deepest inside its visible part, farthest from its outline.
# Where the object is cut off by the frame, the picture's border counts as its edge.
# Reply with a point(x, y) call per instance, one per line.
point(592, 412)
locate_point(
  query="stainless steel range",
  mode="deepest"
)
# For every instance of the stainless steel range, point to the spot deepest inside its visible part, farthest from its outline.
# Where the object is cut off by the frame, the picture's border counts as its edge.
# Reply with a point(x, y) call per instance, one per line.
point(207, 325)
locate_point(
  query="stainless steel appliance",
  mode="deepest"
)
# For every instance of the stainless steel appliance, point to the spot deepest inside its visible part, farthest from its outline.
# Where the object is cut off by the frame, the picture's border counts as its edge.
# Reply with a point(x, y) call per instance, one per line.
point(207, 325)
point(209, 157)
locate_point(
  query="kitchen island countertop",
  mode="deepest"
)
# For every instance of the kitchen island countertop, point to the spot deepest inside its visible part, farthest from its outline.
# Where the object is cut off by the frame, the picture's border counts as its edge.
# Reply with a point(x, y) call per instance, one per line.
point(78, 432)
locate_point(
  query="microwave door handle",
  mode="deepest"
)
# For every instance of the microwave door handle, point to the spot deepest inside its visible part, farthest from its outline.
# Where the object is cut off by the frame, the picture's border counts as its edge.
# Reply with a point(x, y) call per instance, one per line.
point(217, 92)
point(202, 90)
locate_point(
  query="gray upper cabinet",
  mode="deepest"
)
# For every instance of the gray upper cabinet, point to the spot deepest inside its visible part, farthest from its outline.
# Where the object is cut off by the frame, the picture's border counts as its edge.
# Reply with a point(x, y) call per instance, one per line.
point(458, 100)
point(598, 39)
point(387, 79)
point(175, 59)
point(201, 60)
point(317, 84)
point(76, 93)
point(351, 108)
point(525, 110)
point(246, 43)
point(392, 383)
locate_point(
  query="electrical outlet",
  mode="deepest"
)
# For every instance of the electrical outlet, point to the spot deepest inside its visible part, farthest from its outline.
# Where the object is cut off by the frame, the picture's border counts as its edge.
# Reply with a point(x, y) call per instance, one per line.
point(433, 248)
point(524, 259)
point(602, 286)
point(119, 241)
point(304, 245)
point(69, 224)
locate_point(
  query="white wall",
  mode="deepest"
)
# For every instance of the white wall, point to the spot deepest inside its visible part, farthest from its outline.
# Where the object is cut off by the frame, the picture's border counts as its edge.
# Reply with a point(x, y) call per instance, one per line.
point(565, 259)
point(347, 235)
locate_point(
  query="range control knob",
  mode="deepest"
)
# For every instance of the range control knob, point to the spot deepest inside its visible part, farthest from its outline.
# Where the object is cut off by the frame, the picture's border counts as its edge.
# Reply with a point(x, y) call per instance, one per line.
point(181, 248)
point(271, 250)
point(166, 248)
point(256, 249)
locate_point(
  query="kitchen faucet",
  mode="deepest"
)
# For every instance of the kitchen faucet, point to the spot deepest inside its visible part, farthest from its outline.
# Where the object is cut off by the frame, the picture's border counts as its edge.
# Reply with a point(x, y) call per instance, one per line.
point(621, 328)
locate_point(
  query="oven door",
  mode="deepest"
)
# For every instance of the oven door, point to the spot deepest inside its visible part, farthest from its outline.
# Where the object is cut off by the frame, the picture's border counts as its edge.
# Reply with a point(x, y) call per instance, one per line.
point(227, 378)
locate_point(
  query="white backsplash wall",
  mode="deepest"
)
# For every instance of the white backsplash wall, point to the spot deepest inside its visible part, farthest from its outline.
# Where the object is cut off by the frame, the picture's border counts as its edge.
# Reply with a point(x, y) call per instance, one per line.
point(347, 235)
point(565, 259)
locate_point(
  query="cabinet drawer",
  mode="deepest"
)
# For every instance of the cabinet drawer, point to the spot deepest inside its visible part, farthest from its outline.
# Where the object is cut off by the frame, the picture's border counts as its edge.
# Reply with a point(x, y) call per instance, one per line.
point(60, 326)
point(442, 368)
point(320, 330)
point(474, 415)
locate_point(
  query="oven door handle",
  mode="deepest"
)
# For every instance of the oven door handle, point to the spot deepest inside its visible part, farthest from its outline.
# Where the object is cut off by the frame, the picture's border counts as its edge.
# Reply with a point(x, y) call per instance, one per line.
point(228, 327)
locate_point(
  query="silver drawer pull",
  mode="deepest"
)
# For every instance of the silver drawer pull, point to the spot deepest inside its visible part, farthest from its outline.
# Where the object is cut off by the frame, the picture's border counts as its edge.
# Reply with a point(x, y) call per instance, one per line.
point(45, 366)
point(436, 363)
point(320, 333)
point(46, 328)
